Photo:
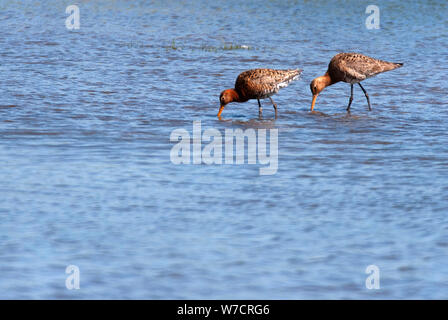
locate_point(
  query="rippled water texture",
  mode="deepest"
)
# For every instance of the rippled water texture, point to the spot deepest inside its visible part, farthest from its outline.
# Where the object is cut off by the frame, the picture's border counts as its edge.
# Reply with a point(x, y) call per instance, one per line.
point(86, 177)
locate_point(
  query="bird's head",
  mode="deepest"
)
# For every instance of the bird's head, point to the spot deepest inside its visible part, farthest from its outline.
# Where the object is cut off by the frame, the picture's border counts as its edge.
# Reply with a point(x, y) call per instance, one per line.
point(227, 96)
point(317, 85)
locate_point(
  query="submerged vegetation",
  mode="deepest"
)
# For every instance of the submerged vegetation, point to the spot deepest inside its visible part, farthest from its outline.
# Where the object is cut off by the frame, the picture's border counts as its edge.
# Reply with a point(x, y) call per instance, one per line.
point(173, 46)
point(209, 48)
point(235, 47)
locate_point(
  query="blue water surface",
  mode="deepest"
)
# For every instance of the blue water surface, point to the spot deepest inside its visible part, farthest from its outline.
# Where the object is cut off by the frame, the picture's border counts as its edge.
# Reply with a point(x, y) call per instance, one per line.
point(86, 177)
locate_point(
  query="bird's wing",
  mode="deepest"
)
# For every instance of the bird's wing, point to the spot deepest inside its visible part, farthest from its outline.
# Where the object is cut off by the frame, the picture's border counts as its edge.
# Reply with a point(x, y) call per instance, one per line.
point(261, 82)
point(360, 67)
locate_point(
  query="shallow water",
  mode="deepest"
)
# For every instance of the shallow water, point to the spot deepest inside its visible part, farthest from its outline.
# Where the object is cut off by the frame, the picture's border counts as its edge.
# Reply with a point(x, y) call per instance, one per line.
point(86, 176)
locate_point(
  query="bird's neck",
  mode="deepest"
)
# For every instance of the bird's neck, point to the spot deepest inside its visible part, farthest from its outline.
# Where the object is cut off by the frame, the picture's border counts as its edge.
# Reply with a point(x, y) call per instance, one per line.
point(237, 96)
point(327, 80)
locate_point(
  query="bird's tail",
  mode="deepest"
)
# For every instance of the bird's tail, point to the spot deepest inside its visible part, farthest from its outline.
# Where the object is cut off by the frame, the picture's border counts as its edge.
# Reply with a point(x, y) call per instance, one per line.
point(296, 74)
point(396, 65)
point(287, 76)
point(388, 66)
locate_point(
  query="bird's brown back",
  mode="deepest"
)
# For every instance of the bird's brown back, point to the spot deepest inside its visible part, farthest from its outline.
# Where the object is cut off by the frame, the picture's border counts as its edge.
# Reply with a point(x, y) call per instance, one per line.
point(261, 83)
point(355, 67)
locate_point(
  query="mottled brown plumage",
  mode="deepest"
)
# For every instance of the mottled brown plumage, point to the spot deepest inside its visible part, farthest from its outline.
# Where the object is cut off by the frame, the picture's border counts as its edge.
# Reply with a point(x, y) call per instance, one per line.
point(258, 84)
point(351, 68)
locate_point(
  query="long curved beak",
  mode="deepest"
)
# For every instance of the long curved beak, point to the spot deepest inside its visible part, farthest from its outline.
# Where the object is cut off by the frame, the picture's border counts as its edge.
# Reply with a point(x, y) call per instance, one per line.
point(220, 111)
point(313, 102)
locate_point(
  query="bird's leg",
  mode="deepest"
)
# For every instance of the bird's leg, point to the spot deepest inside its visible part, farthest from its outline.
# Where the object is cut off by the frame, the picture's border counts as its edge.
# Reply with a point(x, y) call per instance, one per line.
point(260, 109)
point(275, 106)
point(367, 96)
point(351, 98)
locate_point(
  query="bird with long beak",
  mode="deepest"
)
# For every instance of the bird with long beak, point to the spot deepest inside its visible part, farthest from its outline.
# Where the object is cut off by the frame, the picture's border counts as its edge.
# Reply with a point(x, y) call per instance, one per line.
point(258, 84)
point(351, 68)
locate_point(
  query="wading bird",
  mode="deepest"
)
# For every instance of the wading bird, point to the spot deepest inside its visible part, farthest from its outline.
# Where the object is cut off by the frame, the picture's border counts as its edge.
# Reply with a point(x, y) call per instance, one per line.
point(258, 84)
point(351, 68)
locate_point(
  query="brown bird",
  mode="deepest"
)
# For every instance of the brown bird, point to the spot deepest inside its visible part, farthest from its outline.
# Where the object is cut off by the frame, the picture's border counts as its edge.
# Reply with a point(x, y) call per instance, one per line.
point(258, 84)
point(351, 68)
